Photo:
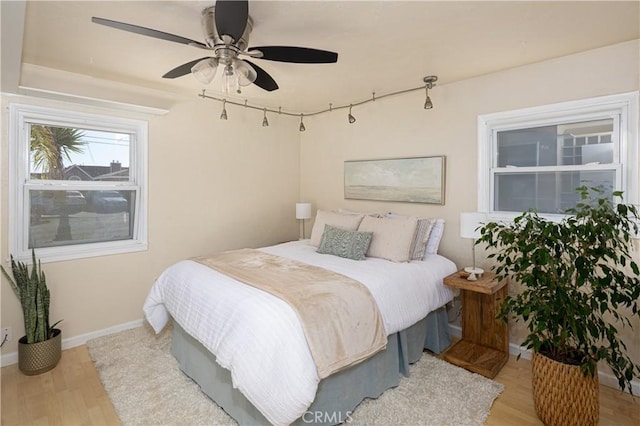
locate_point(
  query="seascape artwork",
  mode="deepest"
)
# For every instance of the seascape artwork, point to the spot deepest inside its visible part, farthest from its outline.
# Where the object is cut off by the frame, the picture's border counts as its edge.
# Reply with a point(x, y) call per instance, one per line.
point(413, 180)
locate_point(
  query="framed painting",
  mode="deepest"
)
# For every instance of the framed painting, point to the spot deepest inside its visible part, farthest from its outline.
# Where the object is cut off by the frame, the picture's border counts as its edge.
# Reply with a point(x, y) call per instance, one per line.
point(411, 180)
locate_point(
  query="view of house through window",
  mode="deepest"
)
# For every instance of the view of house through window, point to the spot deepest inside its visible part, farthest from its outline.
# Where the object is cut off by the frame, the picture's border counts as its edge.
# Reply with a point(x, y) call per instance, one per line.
point(587, 144)
point(63, 217)
point(535, 158)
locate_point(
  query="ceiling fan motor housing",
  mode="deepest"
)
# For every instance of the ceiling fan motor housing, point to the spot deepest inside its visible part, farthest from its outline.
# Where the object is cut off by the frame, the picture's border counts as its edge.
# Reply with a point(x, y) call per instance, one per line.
point(211, 32)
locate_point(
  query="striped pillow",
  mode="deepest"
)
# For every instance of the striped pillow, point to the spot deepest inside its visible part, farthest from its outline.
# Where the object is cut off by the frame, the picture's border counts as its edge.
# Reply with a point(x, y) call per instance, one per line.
point(421, 237)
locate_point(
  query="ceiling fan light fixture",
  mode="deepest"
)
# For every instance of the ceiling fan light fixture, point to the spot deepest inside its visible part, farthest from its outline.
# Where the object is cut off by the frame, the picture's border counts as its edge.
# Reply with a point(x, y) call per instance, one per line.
point(246, 73)
point(205, 70)
point(229, 80)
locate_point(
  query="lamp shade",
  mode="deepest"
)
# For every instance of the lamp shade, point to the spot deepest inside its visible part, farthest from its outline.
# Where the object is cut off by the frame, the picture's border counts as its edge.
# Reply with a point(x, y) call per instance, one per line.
point(303, 210)
point(470, 223)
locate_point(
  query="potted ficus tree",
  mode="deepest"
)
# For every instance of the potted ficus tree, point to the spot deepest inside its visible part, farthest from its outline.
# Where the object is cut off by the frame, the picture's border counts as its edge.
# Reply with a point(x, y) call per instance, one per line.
point(40, 349)
point(578, 284)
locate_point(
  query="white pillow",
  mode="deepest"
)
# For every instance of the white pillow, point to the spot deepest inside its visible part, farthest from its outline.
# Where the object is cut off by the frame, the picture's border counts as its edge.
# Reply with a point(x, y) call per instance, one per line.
point(391, 239)
point(349, 222)
point(435, 237)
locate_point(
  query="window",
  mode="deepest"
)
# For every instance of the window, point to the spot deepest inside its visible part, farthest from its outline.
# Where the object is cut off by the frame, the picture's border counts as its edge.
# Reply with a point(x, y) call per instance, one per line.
point(78, 183)
point(535, 158)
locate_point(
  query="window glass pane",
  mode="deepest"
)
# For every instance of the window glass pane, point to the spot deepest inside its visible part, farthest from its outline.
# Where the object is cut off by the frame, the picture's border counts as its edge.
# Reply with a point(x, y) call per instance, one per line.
point(65, 153)
point(527, 147)
point(549, 192)
point(77, 217)
point(566, 144)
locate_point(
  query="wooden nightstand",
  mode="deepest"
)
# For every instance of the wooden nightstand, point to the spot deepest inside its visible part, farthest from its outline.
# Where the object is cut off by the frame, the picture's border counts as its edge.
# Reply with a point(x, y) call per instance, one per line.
point(484, 347)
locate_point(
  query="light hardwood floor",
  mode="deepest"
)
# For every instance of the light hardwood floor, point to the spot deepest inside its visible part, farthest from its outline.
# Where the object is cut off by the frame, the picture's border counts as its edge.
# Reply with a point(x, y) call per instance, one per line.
point(72, 394)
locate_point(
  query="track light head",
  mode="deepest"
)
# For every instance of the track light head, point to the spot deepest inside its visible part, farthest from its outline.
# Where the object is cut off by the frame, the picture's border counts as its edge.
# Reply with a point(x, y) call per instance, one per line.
point(429, 82)
point(302, 128)
point(352, 119)
point(427, 103)
point(223, 116)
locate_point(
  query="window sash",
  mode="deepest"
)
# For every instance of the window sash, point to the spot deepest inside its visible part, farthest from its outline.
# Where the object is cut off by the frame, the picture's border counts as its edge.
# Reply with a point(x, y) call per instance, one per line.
point(21, 117)
point(28, 189)
point(119, 127)
point(622, 108)
point(615, 137)
point(560, 197)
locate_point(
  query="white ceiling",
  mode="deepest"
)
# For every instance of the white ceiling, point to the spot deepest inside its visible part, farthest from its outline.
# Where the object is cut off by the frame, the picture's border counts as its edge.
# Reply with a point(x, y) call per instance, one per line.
point(383, 46)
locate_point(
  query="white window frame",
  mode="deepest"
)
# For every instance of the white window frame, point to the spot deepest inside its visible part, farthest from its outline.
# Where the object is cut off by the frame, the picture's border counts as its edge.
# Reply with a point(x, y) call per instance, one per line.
point(623, 108)
point(20, 182)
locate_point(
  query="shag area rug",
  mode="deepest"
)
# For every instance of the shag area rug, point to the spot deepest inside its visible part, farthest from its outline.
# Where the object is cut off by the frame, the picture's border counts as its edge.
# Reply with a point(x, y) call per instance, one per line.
point(147, 387)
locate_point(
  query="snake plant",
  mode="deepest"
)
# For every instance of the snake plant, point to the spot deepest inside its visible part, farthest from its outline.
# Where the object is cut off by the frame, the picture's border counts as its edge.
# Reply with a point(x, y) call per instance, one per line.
point(31, 289)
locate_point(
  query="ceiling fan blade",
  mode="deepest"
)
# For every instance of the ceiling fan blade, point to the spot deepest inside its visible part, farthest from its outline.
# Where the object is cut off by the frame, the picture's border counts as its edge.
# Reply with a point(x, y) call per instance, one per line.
point(148, 32)
point(263, 79)
point(183, 69)
point(231, 17)
point(300, 55)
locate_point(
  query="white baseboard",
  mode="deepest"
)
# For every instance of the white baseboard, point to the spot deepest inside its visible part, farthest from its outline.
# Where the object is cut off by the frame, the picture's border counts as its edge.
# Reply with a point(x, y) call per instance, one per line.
point(72, 342)
point(605, 378)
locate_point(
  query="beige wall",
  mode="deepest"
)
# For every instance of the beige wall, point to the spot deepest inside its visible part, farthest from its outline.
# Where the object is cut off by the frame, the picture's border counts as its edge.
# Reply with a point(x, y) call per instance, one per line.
point(213, 185)
point(400, 127)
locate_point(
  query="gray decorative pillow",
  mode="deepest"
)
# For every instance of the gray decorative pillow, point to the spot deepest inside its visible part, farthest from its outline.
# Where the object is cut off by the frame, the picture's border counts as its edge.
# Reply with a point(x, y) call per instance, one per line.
point(344, 243)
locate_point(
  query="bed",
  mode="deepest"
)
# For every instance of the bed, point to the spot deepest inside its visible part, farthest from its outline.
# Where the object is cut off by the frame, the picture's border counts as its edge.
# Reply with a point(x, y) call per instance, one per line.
point(247, 349)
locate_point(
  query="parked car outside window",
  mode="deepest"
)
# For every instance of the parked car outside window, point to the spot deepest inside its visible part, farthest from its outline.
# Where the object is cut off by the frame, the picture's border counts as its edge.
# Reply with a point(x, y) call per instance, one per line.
point(107, 202)
point(57, 202)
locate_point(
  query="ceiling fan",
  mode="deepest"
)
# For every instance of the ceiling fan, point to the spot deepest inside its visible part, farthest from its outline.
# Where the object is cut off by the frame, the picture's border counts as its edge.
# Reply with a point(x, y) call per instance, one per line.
point(226, 27)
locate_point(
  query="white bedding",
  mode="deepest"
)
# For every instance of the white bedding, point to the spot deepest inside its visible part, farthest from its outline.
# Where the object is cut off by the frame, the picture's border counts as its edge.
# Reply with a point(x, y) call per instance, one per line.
point(247, 329)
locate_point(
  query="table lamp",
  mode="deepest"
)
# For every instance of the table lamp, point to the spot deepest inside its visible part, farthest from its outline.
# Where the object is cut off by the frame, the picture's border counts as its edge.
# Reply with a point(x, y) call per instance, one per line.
point(470, 224)
point(303, 211)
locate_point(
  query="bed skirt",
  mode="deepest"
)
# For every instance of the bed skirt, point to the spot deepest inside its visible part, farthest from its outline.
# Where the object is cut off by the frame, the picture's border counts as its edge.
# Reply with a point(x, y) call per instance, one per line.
point(338, 394)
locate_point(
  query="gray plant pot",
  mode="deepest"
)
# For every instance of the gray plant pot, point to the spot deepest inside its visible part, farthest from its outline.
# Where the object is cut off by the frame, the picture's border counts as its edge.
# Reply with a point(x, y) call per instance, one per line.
point(40, 357)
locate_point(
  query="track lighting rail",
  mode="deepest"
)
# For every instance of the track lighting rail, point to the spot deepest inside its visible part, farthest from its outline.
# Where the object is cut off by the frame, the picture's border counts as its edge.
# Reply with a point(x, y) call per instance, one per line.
point(428, 80)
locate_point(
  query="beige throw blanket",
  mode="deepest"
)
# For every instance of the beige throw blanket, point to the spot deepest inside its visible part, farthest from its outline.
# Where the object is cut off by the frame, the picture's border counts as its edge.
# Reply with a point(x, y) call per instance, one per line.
point(340, 318)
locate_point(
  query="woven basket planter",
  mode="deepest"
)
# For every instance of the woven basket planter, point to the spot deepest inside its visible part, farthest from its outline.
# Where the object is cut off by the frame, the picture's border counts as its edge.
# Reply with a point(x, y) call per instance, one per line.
point(40, 357)
point(562, 395)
